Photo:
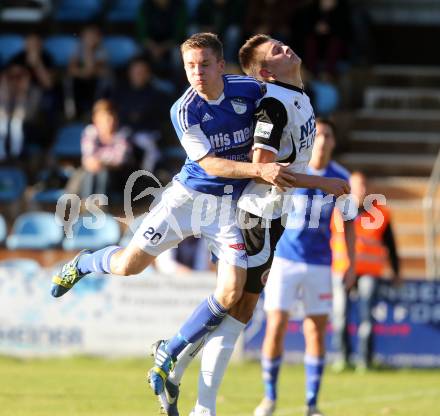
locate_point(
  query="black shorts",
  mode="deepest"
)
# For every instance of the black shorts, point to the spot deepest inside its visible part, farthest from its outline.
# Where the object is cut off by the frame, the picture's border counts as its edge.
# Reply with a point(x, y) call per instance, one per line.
point(260, 242)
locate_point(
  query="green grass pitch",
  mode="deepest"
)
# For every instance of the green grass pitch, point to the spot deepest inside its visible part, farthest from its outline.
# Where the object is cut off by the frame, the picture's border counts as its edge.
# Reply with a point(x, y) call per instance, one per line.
point(97, 387)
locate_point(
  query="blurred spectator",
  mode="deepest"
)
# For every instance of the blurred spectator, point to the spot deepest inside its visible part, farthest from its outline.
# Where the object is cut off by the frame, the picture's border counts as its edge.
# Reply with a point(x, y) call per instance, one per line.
point(328, 35)
point(224, 17)
point(144, 108)
point(373, 245)
point(21, 119)
point(38, 61)
point(88, 70)
point(106, 152)
point(271, 17)
point(162, 27)
point(41, 66)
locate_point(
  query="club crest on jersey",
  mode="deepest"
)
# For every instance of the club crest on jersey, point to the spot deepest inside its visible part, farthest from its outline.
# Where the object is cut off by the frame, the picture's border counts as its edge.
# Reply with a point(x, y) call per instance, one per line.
point(239, 105)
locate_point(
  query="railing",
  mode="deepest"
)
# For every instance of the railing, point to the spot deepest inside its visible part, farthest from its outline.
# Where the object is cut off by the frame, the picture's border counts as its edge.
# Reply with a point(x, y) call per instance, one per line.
point(430, 206)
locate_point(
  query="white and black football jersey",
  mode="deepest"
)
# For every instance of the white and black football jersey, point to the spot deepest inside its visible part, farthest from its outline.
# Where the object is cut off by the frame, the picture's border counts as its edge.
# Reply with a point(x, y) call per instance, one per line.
point(285, 125)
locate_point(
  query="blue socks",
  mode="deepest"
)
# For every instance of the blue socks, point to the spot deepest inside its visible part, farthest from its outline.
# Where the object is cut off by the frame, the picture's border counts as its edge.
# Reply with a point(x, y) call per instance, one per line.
point(208, 316)
point(98, 262)
point(271, 368)
point(314, 367)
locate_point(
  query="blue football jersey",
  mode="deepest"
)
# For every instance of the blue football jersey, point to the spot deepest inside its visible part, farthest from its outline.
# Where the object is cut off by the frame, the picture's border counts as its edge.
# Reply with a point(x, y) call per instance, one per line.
point(223, 127)
point(307, 235)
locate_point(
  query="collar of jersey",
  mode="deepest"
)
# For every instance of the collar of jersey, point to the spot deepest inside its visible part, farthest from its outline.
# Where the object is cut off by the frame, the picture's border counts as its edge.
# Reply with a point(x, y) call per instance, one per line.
point(288, 86)
point(218, 100)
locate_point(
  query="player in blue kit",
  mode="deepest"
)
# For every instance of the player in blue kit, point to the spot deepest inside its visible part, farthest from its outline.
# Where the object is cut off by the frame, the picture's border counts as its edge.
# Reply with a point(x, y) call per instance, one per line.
point(303, 261)
point(213, 120)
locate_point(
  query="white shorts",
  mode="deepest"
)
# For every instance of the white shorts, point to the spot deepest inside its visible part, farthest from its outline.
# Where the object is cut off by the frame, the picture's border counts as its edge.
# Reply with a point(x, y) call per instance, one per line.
point(290, 281)
point(182, 212)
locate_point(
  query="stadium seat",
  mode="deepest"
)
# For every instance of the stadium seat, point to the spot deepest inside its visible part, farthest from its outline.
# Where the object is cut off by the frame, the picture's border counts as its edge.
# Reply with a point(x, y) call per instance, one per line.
point(28, 267)
point(128, 234)
point(61, 48)
point(3, 229)
point(35, 230)
point(10, 45)
point(123, 10)
point(12, 184)
point(68, 141)
point(51, 184)
point(78, 10)
point(86, 237)
point(120, 49)
point(26, 12)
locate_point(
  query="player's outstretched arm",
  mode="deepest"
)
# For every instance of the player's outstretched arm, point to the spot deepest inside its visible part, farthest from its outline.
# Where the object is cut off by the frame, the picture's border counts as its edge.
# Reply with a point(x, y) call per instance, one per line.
point(332, 186)
point(272, 173)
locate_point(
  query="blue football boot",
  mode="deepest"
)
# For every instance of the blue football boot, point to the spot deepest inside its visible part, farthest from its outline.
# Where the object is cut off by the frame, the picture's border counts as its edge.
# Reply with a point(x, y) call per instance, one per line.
point(163, 364)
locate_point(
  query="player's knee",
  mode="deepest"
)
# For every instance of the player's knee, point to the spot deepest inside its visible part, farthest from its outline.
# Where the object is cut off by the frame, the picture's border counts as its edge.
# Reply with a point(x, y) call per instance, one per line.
point(230, 297)
point(275, 331)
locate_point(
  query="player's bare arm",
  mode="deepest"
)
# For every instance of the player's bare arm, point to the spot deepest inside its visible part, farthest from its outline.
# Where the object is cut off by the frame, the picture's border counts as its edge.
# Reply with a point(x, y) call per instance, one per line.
point(272, 173)
point(331, 186)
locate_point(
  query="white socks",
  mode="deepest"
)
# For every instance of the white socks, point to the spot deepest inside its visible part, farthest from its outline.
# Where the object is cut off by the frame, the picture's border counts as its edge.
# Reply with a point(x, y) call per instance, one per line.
point(184, 359)
point(215, 359)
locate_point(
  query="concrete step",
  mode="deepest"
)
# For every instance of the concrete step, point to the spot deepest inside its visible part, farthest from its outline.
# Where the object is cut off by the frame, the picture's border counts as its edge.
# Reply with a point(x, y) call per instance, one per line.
point(390, 141)
point(390, 164)
point(404, 12)
point(405, 75)
point(413, 267)
point(411, 240)
point(407, 216)
point(397, 120)
point(402, 192)
point(402, 98)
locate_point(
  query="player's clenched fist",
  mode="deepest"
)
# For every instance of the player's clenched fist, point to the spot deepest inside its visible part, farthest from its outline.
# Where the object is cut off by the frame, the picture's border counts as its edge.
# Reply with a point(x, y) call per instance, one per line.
point(277, 174)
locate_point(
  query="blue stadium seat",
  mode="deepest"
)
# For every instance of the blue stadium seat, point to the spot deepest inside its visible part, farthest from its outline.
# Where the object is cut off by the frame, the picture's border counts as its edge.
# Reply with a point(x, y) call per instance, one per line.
point(68, 141)
point(28, 267)
point(61, 48)
point(3, 229)
point(128, 234)
point(12, 184)
point(94, 239)
point(10, 45)
point(51, 184)
point(123, 10)
point(35, 230)
point(78, 10)
point(120, 49)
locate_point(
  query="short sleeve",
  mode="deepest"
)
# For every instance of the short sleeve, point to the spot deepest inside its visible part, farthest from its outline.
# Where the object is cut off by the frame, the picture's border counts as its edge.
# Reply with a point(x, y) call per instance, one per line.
point(271, 118)
point(195, 143)
point(188, 130)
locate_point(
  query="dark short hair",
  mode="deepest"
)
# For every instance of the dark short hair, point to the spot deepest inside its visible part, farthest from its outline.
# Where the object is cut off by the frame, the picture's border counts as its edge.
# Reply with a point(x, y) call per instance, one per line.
point(204, 40)
point(247, 55)
point(143, 58)
point(327, 122)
